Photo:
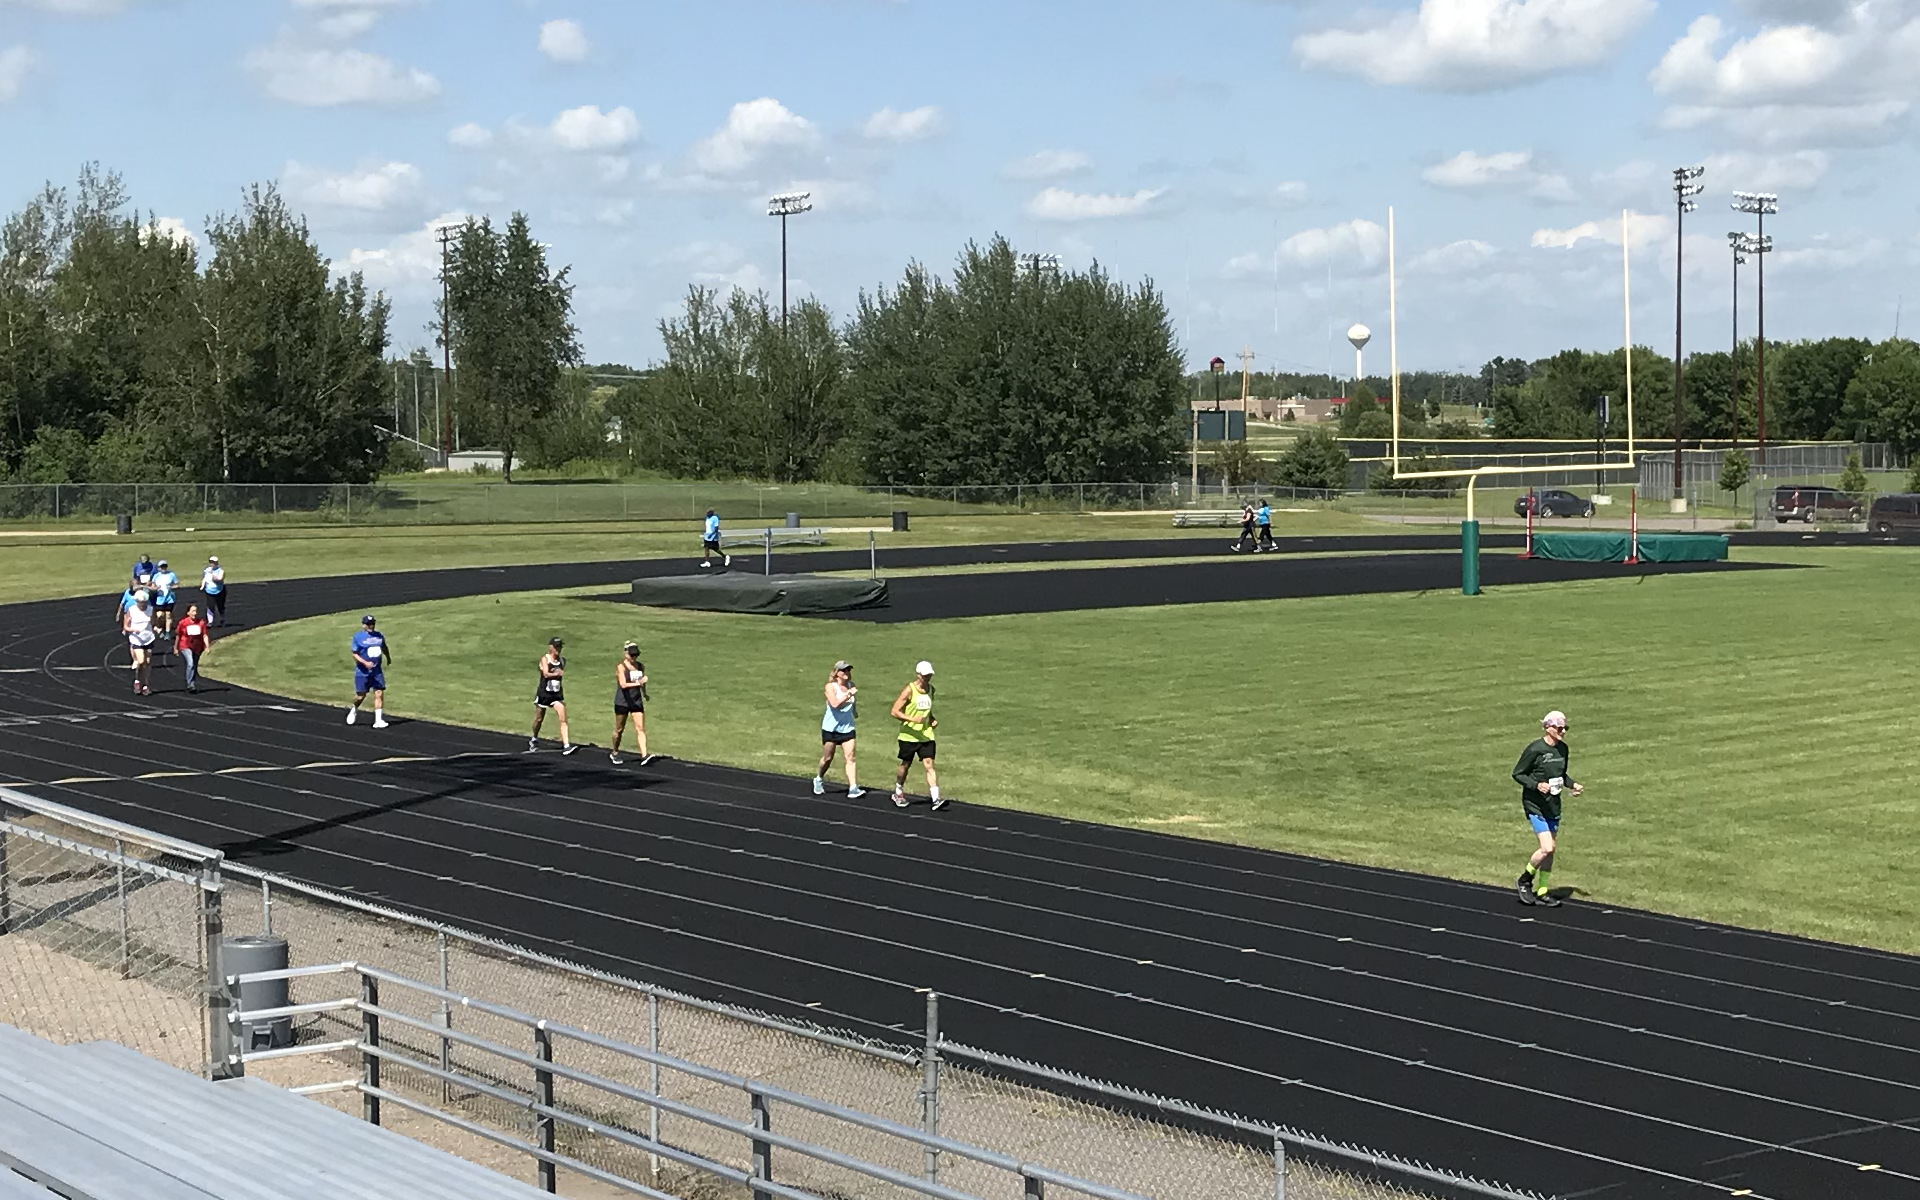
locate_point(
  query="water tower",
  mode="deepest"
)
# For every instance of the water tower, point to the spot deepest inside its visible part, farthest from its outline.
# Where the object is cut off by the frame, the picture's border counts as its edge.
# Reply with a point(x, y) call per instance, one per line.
point(1359, 335)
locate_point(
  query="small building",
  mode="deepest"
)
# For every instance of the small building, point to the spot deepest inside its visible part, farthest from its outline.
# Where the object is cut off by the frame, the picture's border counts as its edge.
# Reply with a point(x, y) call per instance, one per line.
point(477, 460)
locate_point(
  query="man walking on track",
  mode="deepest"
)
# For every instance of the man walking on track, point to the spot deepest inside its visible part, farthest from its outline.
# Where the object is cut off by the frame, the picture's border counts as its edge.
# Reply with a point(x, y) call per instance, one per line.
point(213, 589)
point(1263, 521)
point(836, 729)
point(710, 542)
point(550, 693)
point(164, 583)
point(630, 700)
point(191, 641)
point(370, 659)
point(1246, 528)
point(913, 708)
point(1543, 774)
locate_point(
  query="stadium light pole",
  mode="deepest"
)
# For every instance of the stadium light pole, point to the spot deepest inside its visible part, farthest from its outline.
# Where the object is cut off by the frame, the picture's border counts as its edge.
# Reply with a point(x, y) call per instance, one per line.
point(790, 204)
point(1737, 242)
point(1761, 205)
point(1686, 185)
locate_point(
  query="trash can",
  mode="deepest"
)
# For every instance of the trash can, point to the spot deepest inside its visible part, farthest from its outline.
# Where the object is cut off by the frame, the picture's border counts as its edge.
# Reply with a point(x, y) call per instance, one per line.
point(259, 952)
point(793, 520)
point(899, 520)
point(123, 524)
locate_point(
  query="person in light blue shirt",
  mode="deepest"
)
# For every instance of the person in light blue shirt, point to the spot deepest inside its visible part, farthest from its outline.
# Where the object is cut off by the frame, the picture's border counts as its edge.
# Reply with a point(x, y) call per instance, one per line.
point(1263, 524)
point(836, 729)
point(163, 585)
point(710, 542)
point(213, 586)
point(370, 659)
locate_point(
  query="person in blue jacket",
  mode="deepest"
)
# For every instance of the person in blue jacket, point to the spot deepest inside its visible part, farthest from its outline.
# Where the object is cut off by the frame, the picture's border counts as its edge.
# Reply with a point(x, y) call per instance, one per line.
point(710, 542)
point(1263, 525)
point(370, 658)
point(143, 570)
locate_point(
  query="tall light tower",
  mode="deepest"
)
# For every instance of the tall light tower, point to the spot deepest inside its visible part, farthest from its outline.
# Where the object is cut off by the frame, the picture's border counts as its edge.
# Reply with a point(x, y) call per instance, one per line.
point(1359, 335)
point(1686, 185)
point(791, 204)
point(1761, 205)
point(1737, 242)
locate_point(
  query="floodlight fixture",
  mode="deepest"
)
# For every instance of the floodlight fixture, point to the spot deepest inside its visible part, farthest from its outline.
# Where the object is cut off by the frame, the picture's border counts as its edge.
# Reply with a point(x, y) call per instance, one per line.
point(787, 204)
point(1761, 205)
point(1686, 185)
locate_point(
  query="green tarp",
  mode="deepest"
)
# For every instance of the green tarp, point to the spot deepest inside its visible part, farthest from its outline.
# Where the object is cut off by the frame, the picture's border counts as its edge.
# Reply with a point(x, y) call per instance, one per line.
point(788, 595)
point(1608, 545)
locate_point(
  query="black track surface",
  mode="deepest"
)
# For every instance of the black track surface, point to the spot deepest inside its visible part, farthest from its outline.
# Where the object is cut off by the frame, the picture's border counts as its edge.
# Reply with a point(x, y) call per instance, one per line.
point(1580, 1051)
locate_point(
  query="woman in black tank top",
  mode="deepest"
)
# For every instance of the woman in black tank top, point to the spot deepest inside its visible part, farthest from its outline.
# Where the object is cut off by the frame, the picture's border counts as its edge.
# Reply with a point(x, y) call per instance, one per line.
point(550, 693)
point(630, 700)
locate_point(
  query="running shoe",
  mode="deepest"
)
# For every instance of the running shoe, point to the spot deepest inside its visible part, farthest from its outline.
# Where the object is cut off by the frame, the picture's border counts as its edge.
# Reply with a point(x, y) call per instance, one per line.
point(647, 759)
point(379, 722)
point(1234, 546)
point(567, 749)
point(1546, 899)
point(939, 802)
point(615, 758)
point(705, 565)
point(854, 793)
point(353, 714)
point(819, 786)
point(1525, 888)
point(533, 745)
point(899, 799)
point(726, 560)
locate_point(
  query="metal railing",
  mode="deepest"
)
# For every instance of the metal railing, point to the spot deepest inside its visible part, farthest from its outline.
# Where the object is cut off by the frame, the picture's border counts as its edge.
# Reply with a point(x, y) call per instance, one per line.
point(545, 1069)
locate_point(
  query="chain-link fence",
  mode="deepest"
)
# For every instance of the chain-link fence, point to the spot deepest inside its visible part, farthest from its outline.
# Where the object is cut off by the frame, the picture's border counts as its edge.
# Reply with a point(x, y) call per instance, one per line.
point(106, 932)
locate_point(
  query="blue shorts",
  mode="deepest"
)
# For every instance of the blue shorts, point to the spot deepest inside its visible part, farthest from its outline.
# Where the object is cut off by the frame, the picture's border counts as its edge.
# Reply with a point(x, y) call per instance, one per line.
point(1543, 825)
point(365, 681)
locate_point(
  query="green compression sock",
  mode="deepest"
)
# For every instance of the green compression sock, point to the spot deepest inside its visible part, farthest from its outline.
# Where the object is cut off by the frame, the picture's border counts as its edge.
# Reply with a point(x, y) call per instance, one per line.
point(1541, 881)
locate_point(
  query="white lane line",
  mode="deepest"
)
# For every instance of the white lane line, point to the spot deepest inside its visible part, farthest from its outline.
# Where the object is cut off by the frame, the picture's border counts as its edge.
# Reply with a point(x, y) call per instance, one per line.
point(140, 714)
point(251, 769)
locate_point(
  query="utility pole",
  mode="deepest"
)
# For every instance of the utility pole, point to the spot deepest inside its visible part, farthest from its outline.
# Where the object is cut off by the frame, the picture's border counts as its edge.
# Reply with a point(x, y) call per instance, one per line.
point(1760, 204)
point(792, 204)
point(1246, 379)
point(1686, 185)
point(446, 348)
point(1738, 243)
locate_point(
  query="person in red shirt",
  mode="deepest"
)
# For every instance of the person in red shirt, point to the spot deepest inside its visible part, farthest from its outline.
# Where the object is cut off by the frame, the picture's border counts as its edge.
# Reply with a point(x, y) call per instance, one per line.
point(191, 638)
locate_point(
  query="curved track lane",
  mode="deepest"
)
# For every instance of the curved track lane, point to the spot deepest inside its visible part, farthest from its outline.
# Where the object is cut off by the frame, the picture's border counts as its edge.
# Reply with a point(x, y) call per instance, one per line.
point(1579, 1052)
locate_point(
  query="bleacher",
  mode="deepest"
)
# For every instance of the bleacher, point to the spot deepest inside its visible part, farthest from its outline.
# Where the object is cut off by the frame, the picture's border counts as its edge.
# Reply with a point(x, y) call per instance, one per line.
point(782, 536)
point(98, 1121)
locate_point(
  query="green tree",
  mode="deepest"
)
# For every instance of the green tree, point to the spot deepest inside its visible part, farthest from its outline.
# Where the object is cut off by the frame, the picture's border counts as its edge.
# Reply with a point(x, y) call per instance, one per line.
point(1883, 397)
point(1913, 475)
point(1735, 472)
point(1853, 480)
point(1357, 413)
point(1807, 384)
point(1237, 464)
point(1315, 460)
point(1381, 478)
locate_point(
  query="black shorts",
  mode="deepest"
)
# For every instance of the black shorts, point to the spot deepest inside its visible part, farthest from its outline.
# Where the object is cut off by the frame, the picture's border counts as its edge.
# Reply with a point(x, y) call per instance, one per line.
point(542, 698)
point(912, 750)
point(160, 607)
point(623, 705)
point(712, 547)
point(829, 738)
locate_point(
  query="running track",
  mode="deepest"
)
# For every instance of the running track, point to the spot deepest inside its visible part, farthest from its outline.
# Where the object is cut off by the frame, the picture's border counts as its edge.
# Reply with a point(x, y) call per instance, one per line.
point(1579, 1052)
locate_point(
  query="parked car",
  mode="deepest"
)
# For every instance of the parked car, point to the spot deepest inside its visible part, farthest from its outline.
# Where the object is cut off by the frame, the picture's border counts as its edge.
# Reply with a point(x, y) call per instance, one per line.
point(1553, 502)
point(1811, 502)
point(1899, 513)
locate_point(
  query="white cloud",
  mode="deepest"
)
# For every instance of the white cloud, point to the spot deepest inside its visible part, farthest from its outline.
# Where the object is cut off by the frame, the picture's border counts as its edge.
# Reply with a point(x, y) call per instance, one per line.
point(1290, 193)
point(909, 126)
point(1507, 170)
point(1824, 252)
point(1454, 258)
point(1477, 45)
point(172, 229)
point(1767, 172)
point(587, 128)
point(753, 130)
point(349, 24)
point(378, 188)
point(406, 263)
point(16, 63)
point(1646, 230)
point(74, 8)
point(1059, 204)
point(721, 265)
point(1357, 241)
point(1048, 164)
point(564, 41)
point(324, 78)
point(470, 136)
point(1845, 74)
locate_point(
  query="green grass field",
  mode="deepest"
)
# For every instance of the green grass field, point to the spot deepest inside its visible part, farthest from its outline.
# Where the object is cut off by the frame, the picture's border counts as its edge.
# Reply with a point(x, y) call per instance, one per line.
point(1749, 741)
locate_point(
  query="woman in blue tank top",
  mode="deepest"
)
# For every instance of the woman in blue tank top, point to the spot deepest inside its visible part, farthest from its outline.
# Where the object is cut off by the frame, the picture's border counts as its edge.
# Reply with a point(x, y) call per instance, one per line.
point(836, 729)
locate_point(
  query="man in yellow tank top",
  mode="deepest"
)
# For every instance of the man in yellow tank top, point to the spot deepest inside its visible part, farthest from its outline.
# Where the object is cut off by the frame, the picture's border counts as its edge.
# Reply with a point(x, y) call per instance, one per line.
point(913, 708)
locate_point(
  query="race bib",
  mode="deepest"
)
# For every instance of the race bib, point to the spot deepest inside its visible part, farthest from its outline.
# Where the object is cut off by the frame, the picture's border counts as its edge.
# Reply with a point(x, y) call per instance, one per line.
point(553, 685)
point(923, 702)
point(1556, 783)
point(373, 652)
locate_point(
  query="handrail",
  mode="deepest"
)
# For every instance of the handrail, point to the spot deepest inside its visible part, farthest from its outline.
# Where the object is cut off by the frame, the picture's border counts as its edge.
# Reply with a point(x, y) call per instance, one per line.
point(205, 855)
point(752, 1132)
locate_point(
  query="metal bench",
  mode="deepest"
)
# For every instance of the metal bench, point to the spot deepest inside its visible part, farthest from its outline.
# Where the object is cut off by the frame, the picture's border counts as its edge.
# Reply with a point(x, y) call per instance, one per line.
point(1226, 517)
point(781, 536)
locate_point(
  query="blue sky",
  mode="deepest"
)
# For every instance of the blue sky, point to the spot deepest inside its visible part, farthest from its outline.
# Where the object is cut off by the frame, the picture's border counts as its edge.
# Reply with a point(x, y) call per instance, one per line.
point(1241, 153)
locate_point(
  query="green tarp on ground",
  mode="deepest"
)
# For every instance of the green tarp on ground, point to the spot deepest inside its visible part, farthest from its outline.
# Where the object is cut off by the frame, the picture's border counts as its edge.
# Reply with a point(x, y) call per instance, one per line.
point(1608, 545)
point(785, 595)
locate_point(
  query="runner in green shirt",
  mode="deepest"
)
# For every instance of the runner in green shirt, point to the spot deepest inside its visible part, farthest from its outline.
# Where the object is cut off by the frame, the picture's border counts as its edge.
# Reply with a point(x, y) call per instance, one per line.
point(913, 708)
point(1543, 773)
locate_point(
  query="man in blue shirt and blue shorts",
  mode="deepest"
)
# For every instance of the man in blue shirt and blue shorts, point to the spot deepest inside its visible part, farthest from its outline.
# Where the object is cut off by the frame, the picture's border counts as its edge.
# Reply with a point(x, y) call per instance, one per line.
point(370, 659)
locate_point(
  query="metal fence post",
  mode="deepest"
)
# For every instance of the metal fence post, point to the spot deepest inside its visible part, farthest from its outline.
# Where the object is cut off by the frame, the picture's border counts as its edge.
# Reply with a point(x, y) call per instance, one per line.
point(543, 1095)
point(930, 1085)
point(653, 1081)
point(120, 887)
point(273, 491)
point(6, 880)
point(370, 1040)
point(266, 908)
point(222, 1062)
point(446, 1019)
point(769, 567)
point(762, 1150)
point(1279, 1168)
point(1036, 1189)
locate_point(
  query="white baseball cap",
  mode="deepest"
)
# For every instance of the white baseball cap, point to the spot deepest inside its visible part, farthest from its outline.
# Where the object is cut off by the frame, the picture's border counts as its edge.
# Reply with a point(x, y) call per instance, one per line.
point(923, 667)
point(1554, 720)
point(213, 558)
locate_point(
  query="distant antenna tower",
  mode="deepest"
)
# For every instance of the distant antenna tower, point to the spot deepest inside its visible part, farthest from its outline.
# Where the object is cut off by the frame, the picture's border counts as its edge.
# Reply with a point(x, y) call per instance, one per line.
point(1359, 335)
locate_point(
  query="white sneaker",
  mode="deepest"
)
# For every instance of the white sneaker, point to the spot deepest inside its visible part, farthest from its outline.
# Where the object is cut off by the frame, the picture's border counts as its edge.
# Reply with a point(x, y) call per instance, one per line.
point(899, 798)
point(854, 793)
point(819, 786)
point(353, 714)
point(726, 560)
point(939, 802)
point(379, 722)
point(533, 745)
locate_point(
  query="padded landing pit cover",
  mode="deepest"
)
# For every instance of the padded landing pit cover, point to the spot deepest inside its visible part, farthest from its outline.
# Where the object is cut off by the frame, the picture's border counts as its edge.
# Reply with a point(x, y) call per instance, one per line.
point(1612, 546)
point(738, 592)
